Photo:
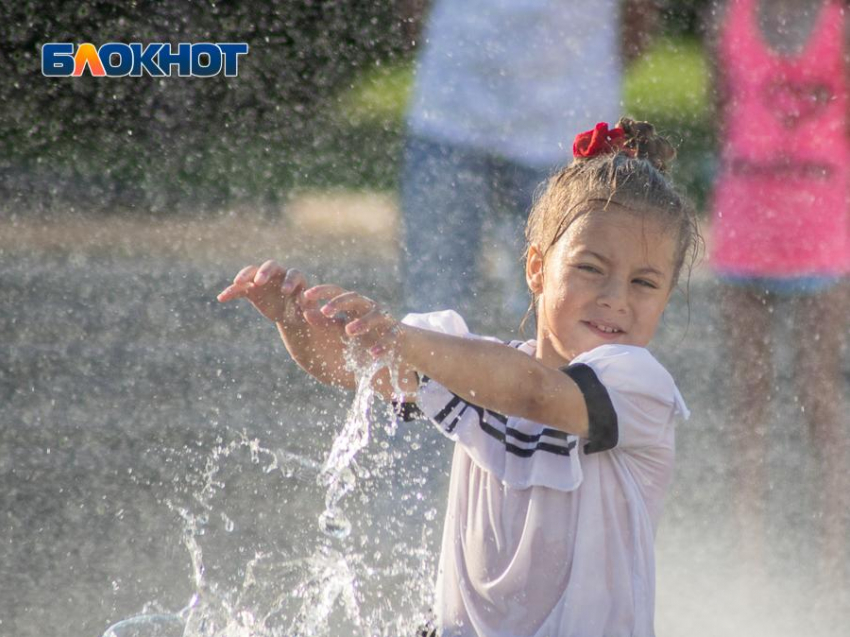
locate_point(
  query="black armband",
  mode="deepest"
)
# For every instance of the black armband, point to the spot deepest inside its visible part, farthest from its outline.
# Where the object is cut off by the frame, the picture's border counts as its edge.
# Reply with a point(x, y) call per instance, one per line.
point(602, 429)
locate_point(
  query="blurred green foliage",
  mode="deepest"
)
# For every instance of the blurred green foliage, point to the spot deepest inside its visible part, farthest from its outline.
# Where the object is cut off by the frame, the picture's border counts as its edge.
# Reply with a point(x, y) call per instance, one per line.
point(162, 143)
point(319, 103)
point(669, 82)
point(670, 87)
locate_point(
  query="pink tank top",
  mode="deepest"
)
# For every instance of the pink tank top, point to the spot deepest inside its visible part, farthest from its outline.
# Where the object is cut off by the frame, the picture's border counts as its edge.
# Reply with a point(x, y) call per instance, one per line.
point(781, 206)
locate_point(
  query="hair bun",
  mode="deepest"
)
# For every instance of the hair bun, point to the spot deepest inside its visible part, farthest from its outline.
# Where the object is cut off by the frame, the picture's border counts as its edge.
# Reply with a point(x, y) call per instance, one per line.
point(646, 144)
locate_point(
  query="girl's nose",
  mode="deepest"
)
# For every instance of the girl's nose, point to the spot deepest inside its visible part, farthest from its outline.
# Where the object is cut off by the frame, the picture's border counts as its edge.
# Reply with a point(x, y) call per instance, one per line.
point(613, 295)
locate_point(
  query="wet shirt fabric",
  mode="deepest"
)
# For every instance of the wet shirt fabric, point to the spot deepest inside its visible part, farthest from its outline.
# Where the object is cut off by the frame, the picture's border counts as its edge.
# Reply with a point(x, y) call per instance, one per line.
point(542, 535)
point(780, 205)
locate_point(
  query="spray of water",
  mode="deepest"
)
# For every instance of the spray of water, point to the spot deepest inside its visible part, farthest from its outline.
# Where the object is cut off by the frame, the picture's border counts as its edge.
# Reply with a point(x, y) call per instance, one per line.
point(337, 476)
point(357, 583)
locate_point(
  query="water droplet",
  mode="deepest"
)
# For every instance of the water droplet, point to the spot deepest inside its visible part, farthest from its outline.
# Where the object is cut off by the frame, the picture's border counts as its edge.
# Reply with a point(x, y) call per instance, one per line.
point(334, 524)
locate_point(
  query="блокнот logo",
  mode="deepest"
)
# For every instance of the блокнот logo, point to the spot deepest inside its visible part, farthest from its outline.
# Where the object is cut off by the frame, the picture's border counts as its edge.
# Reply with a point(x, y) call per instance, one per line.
point(117, 59)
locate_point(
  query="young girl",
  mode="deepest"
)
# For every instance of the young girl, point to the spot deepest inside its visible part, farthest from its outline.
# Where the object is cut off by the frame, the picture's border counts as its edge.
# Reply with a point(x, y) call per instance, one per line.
point(564, 444)
point(781, 232)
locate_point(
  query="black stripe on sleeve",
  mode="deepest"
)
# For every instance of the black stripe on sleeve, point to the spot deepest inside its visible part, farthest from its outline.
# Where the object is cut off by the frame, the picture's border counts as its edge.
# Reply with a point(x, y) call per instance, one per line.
point(523, 452)
point(603, 432)
point(450, 406)
point(502, 436)
point(499, 428)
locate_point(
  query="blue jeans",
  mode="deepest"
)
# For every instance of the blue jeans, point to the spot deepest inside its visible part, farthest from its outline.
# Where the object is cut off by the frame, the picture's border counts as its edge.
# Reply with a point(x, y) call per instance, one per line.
point(447, 194)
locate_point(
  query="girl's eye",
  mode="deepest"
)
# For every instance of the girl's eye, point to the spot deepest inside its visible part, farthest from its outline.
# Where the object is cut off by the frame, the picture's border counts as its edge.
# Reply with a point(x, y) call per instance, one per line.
point(589, 268)
point(645, 283)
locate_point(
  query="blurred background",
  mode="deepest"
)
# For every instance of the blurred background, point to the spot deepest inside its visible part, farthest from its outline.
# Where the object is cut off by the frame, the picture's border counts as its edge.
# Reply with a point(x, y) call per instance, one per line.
point(319, 103)
point(130, 397)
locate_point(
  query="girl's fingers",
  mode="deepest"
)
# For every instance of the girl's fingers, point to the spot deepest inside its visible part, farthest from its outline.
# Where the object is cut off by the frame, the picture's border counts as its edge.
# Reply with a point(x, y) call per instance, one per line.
point(311, 312)
point(368, 322)
point(320, 294)
point(266, 271)
point(239, 288)
point(307, 303)
point(341, 301)
point(348, 302)
point(315, 318)
point(324, 291)
point(232, 292)
point(246, 275)
point(293, 281)
point(377, 351)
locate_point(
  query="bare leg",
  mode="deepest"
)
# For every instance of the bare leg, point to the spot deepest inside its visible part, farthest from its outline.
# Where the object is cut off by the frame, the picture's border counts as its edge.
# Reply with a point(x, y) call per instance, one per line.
point(747, 329)
point(821, 327)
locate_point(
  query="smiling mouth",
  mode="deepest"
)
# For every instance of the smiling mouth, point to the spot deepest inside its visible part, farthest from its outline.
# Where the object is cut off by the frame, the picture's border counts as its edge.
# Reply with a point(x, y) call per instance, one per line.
point(608, 330)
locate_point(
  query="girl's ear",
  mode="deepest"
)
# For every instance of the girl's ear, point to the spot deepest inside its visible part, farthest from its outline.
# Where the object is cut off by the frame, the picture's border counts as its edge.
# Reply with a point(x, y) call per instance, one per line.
point(534, 270)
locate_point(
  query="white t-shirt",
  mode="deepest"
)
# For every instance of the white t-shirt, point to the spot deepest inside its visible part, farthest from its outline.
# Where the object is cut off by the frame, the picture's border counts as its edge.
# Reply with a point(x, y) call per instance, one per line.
point(544, 537)
point(519, 78)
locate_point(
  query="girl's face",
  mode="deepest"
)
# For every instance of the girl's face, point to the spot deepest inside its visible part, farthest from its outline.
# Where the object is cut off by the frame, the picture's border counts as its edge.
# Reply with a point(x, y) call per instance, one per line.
point(606, 280)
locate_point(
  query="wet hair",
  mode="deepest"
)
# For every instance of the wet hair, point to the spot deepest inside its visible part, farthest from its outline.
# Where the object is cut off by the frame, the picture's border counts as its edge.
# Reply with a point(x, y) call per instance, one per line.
point(635, 178)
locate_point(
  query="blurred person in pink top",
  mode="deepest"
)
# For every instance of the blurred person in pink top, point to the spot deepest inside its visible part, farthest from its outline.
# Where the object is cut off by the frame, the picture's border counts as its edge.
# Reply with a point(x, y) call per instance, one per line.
point(781, 234)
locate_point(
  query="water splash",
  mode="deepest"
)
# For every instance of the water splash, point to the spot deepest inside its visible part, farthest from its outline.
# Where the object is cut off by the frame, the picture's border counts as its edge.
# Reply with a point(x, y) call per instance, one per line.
point(153, 625)
point(371, 577)
point(337, 476)
point(331, 578)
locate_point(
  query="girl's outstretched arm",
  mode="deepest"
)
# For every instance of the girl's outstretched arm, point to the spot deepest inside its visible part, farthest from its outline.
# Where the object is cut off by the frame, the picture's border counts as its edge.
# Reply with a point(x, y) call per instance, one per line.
point(491, 375)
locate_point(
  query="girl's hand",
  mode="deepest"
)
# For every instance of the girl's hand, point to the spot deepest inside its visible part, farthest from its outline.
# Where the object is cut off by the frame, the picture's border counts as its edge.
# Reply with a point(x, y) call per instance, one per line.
point(275, 291)
point(270, 288)
point(363, 318)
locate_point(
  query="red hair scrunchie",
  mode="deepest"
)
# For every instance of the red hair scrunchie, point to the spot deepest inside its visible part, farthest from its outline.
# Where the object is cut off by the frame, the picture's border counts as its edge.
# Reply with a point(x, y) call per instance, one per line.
point(599, 141)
